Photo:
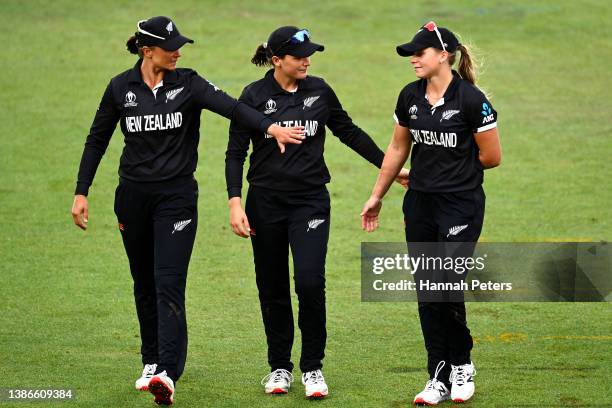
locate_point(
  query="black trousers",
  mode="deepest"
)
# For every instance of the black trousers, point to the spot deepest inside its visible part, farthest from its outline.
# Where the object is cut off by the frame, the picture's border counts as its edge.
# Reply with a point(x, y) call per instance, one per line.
point(158, 224)
point(445, 217)
point(299, 220)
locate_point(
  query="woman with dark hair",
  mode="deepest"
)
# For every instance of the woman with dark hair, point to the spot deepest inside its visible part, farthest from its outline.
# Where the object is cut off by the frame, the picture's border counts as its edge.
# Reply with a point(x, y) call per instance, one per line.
point(158, 106)
point(452, 129)
point(288, 204)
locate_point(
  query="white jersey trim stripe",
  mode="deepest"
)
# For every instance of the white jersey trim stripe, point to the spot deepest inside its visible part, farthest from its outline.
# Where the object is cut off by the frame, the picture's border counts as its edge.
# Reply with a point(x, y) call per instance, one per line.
point(487, 127)
point(395, 118)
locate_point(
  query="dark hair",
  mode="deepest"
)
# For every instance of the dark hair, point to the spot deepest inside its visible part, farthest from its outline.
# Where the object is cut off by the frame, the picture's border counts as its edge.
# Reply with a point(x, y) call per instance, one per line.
point(467, 64)
point(132, 46)
point(261, 57)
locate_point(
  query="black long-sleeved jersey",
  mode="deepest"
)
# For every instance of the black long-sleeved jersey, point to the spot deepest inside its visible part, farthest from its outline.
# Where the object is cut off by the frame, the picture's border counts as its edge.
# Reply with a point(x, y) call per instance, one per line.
point(160, 126)
point(313, 105)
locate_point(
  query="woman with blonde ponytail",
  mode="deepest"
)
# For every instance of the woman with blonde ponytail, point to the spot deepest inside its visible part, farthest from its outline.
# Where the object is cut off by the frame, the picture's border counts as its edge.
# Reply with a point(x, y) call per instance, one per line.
point(451, 128)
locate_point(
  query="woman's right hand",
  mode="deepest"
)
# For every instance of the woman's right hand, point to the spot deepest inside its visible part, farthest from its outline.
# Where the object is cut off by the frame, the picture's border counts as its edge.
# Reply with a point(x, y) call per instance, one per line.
point(369, 214)
point(80, 211)
point(284, 135)
point(238, 219)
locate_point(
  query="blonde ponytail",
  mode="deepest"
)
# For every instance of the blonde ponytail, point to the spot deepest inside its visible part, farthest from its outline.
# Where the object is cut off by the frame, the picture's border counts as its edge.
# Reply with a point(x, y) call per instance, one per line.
point(467, 65)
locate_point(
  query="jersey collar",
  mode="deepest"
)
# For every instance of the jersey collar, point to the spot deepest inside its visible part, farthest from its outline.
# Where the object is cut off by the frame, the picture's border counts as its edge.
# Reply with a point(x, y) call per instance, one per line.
point(275, 88)
point(448, 94)
point(135, 76)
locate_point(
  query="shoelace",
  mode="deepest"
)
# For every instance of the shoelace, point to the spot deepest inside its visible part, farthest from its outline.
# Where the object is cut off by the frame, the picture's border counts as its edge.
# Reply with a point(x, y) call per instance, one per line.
point(277, 376)
point(149, 370)
point(314, 377)
point(433, 383)
point(459, 375)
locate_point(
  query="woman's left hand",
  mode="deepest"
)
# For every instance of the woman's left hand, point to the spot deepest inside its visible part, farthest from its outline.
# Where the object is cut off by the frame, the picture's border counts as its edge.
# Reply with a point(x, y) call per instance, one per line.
point(284, 135)
point(402, 177)
point(369, 214)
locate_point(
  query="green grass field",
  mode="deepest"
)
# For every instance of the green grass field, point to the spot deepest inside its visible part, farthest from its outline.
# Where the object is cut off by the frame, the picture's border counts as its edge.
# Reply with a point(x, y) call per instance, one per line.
point(67, 316)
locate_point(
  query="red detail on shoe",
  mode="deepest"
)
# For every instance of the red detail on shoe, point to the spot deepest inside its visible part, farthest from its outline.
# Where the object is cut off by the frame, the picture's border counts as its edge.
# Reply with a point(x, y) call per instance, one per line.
point(145, 388)
point(162, 393)
point(317, 395)
point(421, 401)
point(278, 391)
point(458, 400)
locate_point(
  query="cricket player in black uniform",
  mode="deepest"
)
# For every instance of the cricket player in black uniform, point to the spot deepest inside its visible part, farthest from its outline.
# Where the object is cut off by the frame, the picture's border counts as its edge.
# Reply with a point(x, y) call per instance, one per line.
point(452, 129)
point(159, 108)
point(288, 204)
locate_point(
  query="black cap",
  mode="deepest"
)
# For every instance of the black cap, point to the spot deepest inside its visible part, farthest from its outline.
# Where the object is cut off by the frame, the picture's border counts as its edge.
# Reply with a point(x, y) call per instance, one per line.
point(428, 37)
point(160, 32)
point(281, 43)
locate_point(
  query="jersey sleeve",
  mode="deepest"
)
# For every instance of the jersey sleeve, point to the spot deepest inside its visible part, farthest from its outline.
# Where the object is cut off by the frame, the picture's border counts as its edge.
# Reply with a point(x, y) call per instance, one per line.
point(208, 96)
point(100, 133)
point(402, 114)
point(236, 153)
point(480, 113)
point(349, 133)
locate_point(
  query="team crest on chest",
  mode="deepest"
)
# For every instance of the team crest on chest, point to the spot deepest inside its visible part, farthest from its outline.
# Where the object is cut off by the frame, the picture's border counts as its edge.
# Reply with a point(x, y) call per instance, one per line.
point(447, 114)
point(309, 101)
point(171, 95)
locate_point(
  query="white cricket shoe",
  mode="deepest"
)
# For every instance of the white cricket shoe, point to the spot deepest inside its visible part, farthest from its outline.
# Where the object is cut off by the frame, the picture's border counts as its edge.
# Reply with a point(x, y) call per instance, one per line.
point(435, 391)
point(462, 380)
point(277, 382)
point(142, 384)
point(162, 387)
point(315, 384)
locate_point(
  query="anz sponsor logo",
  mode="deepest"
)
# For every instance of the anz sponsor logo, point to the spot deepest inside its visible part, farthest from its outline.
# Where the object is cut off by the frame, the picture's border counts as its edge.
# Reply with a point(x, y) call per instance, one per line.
point(270, 107)
point(487, 113)
point(310, 126)
point(413, 112)
point(130, 100)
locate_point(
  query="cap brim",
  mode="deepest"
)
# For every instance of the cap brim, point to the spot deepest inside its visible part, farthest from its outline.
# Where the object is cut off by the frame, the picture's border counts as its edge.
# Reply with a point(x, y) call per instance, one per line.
point(408, 49)
point(305, 49)
point(175, 43)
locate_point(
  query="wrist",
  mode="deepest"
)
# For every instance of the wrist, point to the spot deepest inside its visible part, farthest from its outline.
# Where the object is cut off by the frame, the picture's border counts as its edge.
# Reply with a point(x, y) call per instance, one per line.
point(234, 202)
point(271, 129)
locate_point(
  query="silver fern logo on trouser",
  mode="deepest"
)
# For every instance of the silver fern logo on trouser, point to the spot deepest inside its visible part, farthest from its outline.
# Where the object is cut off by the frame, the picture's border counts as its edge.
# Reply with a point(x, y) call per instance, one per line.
point(179, 226)
point(314, 223)
point(454, 231)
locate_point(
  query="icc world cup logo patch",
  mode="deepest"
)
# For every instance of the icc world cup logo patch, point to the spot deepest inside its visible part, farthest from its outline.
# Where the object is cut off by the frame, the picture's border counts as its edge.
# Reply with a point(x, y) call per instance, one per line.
point(130, 99)
point(270, 107)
